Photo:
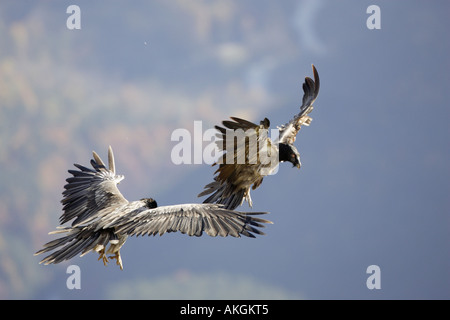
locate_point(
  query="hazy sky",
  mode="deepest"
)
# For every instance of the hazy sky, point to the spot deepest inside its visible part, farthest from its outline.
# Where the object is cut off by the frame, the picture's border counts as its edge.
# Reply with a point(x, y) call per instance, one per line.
point(374, 185)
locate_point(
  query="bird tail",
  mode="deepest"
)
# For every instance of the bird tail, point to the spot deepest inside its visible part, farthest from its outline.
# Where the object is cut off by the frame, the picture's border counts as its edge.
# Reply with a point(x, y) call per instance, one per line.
point(78, 240)
point(221, 194)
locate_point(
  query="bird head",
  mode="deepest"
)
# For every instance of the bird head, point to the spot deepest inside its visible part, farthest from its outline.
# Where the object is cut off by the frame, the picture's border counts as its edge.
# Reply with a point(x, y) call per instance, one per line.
point(288, 152)
point(150, 203)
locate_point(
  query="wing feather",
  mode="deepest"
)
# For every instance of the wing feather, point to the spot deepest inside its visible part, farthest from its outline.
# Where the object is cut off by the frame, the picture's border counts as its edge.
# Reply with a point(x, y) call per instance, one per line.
point(90, 193)
point(191, 219)
point(288, 131)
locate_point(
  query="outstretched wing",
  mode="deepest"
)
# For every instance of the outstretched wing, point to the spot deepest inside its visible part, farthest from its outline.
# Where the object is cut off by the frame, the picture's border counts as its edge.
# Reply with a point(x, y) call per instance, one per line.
point(289, 131)
point(91, 193)
point(191, 219)
point(249, 155)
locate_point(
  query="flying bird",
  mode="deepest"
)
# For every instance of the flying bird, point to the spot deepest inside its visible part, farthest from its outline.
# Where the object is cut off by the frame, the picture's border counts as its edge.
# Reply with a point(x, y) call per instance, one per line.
point(249, 154)
point(102, 216)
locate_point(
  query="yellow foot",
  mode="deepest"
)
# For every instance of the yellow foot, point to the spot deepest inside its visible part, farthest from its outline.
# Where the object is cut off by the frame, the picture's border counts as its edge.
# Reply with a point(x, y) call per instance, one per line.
point(118, 259)
point(103, 257)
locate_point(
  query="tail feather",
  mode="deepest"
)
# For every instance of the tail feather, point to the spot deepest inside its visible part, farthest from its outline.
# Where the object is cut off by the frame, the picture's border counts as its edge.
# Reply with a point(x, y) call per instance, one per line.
point(78, 241)
point(221, 194)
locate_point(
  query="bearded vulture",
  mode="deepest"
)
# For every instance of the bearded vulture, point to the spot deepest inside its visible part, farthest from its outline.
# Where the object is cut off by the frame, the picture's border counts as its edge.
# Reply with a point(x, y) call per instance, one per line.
point(249, 154)
point(101, 216)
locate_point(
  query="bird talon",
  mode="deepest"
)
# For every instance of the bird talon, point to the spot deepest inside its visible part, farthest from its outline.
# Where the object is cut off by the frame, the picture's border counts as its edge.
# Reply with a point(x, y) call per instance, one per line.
point(118, 260)
point(103, 257)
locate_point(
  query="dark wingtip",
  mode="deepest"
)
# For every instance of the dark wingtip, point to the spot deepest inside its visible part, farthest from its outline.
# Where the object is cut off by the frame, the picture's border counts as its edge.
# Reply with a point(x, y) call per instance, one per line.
point(316, 81)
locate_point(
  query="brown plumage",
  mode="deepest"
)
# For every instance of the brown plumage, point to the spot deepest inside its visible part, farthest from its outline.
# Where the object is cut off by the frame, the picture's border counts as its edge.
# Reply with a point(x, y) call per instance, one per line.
point(244, 144)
